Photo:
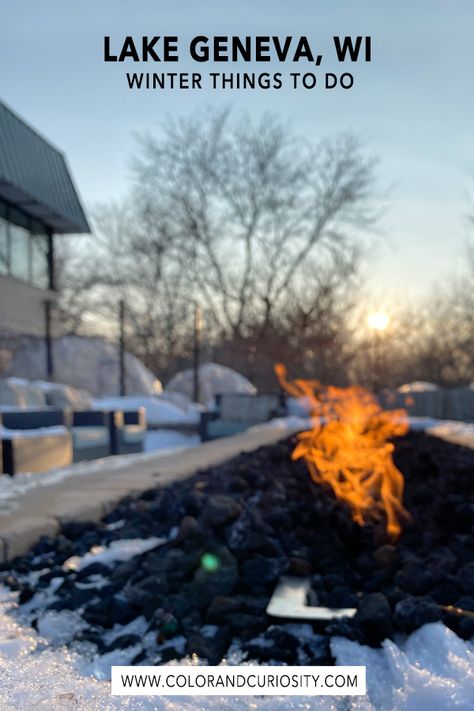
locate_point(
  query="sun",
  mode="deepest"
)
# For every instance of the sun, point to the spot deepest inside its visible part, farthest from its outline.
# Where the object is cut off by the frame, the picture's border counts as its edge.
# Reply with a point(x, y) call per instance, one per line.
point(378, 320)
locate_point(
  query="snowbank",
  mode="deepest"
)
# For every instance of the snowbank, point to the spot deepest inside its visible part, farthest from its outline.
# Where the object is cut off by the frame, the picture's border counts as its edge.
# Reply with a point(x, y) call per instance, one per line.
point(90, 364)
point(213, 380)
point(62, 396)
point(454, 430)
point(418, 386)
point(159, 411)
point(432, 669)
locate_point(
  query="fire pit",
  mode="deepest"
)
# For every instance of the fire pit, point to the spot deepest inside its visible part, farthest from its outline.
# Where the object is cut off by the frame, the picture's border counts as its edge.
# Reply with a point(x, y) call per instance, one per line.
point(237, 528)
point(349, 448)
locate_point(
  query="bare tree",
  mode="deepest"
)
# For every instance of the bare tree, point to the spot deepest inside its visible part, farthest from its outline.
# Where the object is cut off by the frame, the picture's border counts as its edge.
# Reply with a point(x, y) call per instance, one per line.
point(249, 204)
point(263, 229)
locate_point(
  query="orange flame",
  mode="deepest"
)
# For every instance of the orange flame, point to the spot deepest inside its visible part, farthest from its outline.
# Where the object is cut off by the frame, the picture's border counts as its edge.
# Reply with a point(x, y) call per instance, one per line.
point(348, 448)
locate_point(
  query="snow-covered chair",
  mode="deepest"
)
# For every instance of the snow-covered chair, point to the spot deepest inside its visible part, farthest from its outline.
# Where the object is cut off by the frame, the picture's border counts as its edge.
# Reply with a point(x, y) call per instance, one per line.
point(35, 440)
point(32, 445)
point(128, 431)
point(89, 433)
point(236, 412)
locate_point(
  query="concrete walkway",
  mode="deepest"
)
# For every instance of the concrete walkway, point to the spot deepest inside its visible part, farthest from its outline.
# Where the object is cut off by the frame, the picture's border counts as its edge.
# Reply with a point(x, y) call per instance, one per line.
point(97, 486)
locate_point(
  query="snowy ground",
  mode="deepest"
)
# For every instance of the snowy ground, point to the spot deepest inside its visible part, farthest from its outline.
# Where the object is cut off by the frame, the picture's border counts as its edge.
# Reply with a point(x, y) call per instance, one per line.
point(431, 669)
point(161, 440)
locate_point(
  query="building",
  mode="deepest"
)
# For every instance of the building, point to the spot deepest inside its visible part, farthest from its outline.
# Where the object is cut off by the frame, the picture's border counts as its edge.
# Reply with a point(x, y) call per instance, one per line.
point(38, 202)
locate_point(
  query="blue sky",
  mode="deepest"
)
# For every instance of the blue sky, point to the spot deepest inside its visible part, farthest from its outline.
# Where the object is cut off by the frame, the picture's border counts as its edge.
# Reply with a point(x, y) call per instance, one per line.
point(414, 104)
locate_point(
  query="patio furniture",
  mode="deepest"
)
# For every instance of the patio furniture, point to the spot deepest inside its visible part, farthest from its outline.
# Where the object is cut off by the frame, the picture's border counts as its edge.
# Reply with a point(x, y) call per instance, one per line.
point(236, 412)
point(127, 431)
point(35, 450)
point(37, 440)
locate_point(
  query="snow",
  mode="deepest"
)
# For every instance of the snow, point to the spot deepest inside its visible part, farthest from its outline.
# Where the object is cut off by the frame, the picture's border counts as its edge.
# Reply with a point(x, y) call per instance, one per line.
point(431, 669)
point(90, 364)
point(33, 675)
point(33, 434)
point(169, 439)
point(214, 379)
point(117, 551)
point(159, 411)
point(418, 386)
point(448, 429)
point(61, 396)
point(299, 406)
point(462, 432)
point(60, 627)
point(20, 393)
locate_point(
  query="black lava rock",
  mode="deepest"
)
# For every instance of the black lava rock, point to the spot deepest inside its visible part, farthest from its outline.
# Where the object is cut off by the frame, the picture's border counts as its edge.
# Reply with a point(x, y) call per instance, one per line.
point(261, 571)
point(275, 645)
point(220, 510)
point(465, 578)
point(124, 641)
point(375, 617)
point(244, 523)
point(415, 612)
point(93, 569)
point(415, 578)
point(210, 645)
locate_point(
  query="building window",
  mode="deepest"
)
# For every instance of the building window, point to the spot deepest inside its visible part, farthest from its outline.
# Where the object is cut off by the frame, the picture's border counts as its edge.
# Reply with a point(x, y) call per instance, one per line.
point(4, 247)
point(39, 261)
point(20, 252)
point(24, 248)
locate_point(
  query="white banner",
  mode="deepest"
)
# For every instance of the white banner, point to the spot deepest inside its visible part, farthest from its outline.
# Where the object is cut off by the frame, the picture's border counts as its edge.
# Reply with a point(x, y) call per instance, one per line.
point(238, 681)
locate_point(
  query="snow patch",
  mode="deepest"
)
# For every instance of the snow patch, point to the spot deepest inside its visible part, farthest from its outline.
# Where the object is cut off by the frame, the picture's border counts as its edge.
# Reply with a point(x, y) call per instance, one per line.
point(90, 364)
point(158, 410)
point(169, 439)
point(117, 552)
point(433, 668)
point(418, 386)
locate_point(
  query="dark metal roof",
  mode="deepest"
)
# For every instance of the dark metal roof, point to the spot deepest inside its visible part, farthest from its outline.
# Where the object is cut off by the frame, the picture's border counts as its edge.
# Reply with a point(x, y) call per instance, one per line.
point(35, 177)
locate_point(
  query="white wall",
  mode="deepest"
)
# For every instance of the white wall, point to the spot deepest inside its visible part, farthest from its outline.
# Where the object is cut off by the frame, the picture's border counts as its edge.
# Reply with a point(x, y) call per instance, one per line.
point(22, 307)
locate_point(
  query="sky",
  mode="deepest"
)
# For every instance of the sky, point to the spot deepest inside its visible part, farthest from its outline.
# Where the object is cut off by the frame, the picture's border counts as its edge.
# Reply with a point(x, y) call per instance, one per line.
point(413, 104)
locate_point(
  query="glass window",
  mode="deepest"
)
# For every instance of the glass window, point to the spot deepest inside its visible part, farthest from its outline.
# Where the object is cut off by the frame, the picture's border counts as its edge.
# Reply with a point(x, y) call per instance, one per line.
point(19, 252)
point(24, 247)
point(4, 256)
point(39, 261)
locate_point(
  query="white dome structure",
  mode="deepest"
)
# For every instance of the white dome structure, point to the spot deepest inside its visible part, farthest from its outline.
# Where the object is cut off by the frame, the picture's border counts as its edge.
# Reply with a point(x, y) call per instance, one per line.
point(214, 379)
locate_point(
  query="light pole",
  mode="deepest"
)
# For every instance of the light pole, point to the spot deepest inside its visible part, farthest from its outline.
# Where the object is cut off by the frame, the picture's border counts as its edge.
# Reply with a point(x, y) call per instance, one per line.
point(122, 382)
point(196, 349)
point(378, 322)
